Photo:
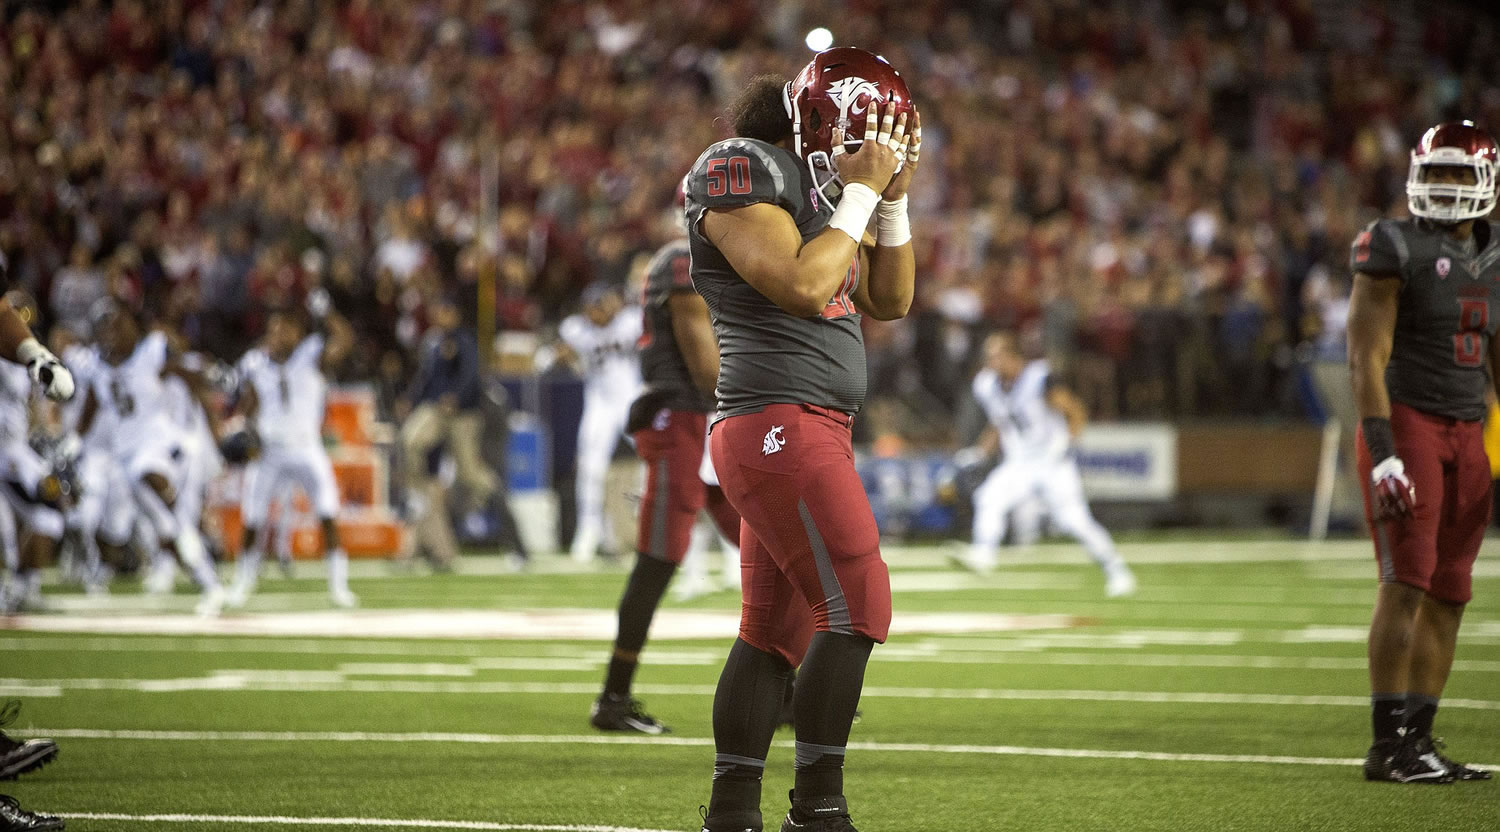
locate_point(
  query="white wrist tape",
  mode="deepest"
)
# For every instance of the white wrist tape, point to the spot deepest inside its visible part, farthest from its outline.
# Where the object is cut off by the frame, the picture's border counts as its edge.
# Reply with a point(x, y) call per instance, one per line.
point(856, 205)
point(29, 349)
point(892, 226)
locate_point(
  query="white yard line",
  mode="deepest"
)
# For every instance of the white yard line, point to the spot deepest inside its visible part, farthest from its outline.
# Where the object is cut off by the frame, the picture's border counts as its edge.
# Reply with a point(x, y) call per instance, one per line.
point(385, 823)
point(676, 741)
point(315, 681)
point(530, 624)
point(899, 654)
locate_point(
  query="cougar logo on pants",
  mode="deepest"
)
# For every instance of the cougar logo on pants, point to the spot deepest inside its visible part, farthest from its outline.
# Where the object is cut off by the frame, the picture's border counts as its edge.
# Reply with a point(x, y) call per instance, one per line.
point(774, 441)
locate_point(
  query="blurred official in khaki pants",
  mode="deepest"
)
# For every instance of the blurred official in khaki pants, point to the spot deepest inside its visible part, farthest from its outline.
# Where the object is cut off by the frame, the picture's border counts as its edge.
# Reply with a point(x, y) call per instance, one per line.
point(442, 407)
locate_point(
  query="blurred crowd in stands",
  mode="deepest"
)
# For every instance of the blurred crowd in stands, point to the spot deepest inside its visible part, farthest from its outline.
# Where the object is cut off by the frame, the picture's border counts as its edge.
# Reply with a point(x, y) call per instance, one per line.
point(1159, 195)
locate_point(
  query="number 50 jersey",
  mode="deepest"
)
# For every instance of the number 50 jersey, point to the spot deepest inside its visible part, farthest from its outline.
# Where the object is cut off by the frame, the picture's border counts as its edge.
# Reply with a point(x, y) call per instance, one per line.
point(1449, 303)
point(767, 355)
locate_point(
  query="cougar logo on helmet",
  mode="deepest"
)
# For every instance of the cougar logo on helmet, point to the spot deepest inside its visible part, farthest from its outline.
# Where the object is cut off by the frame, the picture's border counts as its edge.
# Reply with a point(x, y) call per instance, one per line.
point(834, 91)
point(846, 94)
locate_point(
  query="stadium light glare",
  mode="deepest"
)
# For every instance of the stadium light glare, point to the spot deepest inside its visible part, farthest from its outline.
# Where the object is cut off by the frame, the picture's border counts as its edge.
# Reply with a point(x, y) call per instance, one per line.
point(819, 39)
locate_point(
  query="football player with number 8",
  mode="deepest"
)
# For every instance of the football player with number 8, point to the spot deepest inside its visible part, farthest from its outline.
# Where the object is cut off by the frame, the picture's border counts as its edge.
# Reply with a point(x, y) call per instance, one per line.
point(1421, 324)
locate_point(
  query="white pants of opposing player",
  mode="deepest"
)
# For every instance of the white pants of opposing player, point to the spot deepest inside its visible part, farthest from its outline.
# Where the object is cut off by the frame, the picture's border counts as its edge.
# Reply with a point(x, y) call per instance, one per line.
point(692, 579)
point(165, 456)
point(21, 467)
point(599, 433)
point(1058, 484)
point(272, 478)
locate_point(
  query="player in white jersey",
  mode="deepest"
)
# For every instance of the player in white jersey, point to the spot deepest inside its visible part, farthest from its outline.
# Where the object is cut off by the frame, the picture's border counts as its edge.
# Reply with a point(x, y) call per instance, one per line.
point(282, 398)
point(104, 512)
point(19, 347)
point(129, 389)
point(31, 496)
point(1036, 421)
point(601, 342)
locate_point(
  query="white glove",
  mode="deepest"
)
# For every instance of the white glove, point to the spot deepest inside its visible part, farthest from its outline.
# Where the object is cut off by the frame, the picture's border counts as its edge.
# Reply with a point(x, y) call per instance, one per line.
point(46, 370)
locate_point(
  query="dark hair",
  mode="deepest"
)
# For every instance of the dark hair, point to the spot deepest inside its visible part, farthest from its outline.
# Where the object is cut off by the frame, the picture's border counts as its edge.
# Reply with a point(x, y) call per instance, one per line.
point(759, 113)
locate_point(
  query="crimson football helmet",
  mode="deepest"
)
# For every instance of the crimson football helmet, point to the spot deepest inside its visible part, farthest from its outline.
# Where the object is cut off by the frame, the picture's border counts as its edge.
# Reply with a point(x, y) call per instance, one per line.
point(835, 90)
point(1453, 144)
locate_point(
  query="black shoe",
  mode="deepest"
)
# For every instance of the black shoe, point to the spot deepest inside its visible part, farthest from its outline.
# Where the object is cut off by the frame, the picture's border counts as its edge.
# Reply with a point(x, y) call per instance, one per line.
point(824, 814)
point(1417, 761)
point(16, 757)
point(1460, 771)
point(623, 713)
point(1378, 759)
point(15, 819)
point(738, 822)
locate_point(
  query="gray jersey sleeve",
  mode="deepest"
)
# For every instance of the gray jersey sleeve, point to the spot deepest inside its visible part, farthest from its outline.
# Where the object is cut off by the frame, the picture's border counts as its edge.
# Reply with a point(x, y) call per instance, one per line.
point(740, 172)
point(1379, 251)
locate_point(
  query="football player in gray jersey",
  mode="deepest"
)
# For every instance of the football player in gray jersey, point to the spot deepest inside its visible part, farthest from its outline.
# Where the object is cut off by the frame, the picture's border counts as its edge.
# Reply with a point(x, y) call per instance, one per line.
point(782, 262)
point(1422, 322)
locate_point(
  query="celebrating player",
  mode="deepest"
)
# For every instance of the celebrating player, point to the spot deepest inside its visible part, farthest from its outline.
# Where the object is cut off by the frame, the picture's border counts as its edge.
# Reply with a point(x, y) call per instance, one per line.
point(128, 391)
point(1036, 421)
point(283, 394)
point(777, 224)
point(680, 365)
point(1421, 328)
point(601, 342)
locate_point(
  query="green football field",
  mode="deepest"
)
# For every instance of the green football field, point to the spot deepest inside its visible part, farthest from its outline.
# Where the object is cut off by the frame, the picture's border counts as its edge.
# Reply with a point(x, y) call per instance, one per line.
point(1229, 694)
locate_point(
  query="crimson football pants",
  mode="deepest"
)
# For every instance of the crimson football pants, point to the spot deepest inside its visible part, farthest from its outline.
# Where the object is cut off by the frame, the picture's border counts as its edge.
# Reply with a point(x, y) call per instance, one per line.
point(1434, 549)
point(672, 449)
point(809, 546)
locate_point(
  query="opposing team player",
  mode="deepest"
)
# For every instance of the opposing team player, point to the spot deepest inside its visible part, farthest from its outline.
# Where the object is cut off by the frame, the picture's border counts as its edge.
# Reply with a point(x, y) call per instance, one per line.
point(199, 461)
point(1422, 321)
point(129, 390)
point(601, 342)
point(777, 227)
point(282, 394)
point(19, 346)
point(679, 361)
point(31, 492)
point(1036, 421)
point(104, 514)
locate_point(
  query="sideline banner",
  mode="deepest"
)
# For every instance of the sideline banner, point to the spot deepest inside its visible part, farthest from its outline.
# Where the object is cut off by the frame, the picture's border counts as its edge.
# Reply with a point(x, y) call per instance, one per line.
point(1129, 462)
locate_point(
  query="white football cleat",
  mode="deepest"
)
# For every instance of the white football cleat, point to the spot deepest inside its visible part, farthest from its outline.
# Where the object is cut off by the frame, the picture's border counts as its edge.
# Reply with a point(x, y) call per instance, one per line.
point(1121, 583)
point(688, 589)
point(976, 559)
point(212, 603)
point(239, 595)
point(162, 578)
point(343, 598)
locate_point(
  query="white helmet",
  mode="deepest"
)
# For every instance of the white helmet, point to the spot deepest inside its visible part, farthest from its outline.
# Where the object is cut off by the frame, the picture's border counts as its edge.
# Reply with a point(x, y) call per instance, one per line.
point(1453, 144)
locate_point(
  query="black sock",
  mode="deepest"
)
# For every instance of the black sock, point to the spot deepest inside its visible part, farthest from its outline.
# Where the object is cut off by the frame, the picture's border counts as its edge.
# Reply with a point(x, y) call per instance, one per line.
point(827, 694)
point(1420, 712)
point(643, 592)
point(1387, 714)
point(747, 706)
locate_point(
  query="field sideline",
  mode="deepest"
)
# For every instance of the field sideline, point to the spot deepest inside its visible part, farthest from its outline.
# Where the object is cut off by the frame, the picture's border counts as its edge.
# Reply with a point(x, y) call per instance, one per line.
point(1229, 694)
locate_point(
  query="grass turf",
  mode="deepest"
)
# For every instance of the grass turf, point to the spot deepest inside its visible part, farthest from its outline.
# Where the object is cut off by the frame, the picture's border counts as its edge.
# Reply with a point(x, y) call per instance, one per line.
point(1241, 631)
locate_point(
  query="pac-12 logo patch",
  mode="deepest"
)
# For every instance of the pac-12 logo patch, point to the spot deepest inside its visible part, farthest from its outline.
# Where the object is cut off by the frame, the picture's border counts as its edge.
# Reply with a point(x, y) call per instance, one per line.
point(1444, 265)
point(774, 441)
